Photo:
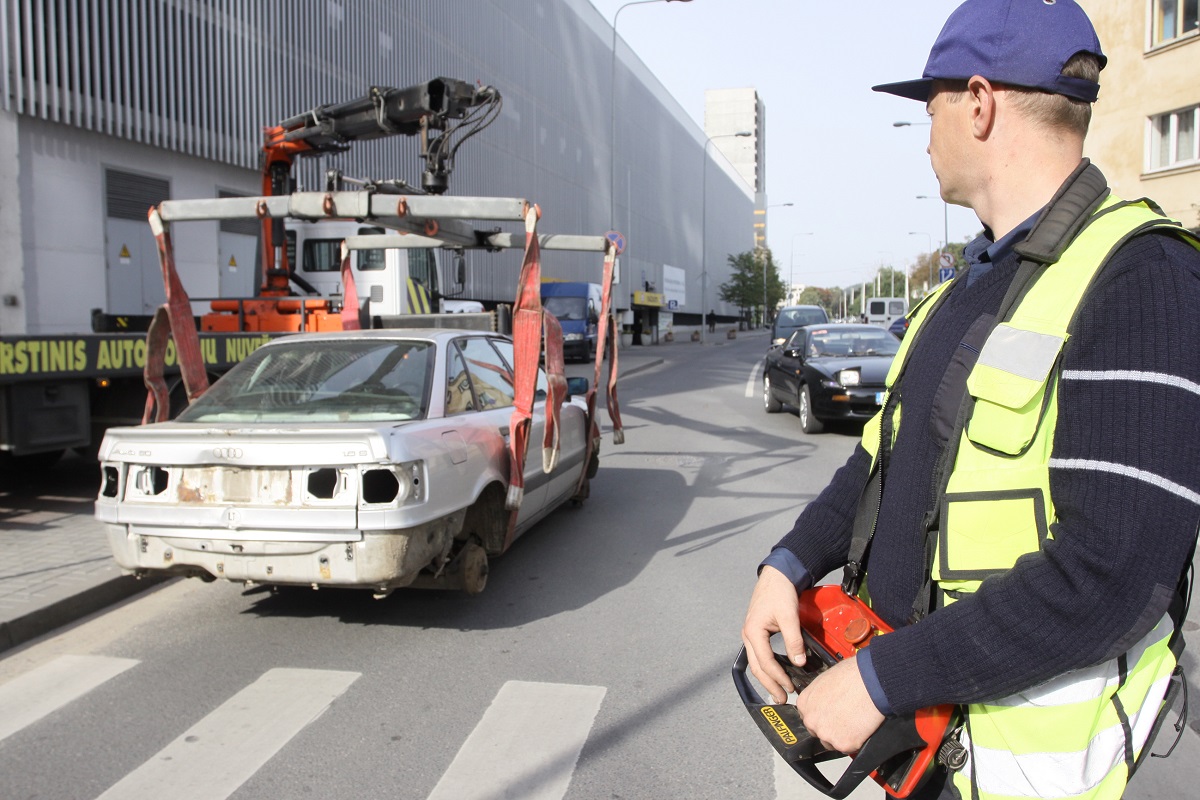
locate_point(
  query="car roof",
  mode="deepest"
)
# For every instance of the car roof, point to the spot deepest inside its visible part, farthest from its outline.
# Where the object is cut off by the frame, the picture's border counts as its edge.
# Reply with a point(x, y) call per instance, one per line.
point(840, 326)
point(436, 335)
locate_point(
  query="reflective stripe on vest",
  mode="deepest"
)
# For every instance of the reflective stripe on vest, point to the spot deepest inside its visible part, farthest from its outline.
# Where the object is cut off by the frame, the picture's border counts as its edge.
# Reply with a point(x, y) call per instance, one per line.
point(1078, 735)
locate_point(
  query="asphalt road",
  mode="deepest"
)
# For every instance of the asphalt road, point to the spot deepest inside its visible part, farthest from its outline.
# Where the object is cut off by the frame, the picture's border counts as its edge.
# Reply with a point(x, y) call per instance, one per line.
point(595, 665)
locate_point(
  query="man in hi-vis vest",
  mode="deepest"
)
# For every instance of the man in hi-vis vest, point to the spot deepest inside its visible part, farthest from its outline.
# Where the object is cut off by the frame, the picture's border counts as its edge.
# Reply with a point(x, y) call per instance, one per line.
point(1023, 507)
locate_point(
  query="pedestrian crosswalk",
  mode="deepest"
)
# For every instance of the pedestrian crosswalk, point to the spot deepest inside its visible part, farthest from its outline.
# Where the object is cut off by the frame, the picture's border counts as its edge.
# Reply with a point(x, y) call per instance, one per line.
point(526, 744)
point(32, 696)
point(220, 752)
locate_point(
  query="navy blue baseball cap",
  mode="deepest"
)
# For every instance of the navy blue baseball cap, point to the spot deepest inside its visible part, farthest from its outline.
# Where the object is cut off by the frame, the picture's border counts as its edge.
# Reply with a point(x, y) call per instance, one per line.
point(1015, 42)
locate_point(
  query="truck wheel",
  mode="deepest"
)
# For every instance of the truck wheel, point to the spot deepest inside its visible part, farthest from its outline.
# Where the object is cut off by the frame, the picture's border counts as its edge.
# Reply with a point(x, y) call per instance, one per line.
point(769, 402)
point(809, 422)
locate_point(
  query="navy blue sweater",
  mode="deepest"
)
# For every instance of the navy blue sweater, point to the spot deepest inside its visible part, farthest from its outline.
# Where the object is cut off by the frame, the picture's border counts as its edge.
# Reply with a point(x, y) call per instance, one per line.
point(1124, 479)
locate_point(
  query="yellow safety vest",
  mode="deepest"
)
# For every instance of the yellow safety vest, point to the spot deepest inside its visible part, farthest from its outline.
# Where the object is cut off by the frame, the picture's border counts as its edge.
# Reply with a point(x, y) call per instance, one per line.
point(1078, 735)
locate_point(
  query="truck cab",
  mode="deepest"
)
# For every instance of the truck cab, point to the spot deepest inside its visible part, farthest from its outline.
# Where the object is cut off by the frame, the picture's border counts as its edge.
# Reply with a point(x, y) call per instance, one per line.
point(394, 281)
point(576, 306)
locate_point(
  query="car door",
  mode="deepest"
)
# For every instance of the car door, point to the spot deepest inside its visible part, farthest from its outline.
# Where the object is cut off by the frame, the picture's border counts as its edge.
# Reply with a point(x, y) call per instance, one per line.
point(786, 373)
point(562, 481)
point(490, 396)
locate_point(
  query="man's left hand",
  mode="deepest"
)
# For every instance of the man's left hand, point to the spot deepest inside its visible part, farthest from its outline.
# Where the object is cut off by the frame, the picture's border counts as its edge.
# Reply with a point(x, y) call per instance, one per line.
point(837, 709)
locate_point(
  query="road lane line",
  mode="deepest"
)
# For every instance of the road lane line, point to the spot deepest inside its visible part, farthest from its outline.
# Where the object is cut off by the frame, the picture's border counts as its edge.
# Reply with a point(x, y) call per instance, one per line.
point(526, 745)
point(27, 698)
point(220, 752)
point(755, 377)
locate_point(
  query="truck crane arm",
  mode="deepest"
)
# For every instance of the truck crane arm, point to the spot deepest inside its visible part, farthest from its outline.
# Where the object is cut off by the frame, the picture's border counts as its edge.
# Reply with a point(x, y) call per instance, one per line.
point(444, 112)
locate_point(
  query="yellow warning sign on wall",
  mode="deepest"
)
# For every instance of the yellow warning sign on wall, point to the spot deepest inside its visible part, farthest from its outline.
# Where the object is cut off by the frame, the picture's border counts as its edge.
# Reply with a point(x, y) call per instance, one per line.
point(124, 255)
point(232, 262)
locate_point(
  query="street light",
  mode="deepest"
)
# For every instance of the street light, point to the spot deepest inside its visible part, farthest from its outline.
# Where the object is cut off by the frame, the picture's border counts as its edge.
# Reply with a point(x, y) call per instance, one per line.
point(903, 124)
point(704, 231)
point(930, 238)
point(612, 109)
point(945, 220)
point(792, 259)
point(764, 313)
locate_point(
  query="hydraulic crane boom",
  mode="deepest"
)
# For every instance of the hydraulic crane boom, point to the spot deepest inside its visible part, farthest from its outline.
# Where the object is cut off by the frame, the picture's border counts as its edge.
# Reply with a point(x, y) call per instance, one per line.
point(434, 106)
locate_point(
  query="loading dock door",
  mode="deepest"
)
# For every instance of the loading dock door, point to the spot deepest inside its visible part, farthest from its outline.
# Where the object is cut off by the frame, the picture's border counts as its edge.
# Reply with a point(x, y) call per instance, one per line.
point(133, 275)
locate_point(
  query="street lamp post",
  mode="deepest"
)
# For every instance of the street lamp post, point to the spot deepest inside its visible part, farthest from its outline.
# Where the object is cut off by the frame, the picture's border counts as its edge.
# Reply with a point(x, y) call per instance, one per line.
point(930, 242)
point(765, 259)
point(792, 259)
point(612, 110)
point(945, 220)
point(704, 232)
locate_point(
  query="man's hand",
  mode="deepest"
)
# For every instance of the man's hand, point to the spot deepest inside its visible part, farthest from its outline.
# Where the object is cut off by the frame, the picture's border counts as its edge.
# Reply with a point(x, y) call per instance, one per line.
point(773, 609)
point(837, 709)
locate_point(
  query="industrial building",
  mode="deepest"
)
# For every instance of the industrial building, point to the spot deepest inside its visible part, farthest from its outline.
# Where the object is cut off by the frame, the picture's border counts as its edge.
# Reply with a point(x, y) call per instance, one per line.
point(108, 108)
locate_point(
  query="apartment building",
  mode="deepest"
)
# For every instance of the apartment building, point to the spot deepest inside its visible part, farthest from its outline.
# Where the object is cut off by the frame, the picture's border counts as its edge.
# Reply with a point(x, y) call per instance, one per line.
point(1145, 132)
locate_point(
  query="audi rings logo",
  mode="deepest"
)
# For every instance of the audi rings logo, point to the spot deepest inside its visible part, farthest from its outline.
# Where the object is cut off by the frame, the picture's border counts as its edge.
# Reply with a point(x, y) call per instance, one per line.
point(227, 453)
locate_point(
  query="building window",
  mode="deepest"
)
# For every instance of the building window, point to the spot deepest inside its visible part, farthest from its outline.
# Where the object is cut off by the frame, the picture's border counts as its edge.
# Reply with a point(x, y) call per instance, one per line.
point(1174, 19)
point(1174, 139)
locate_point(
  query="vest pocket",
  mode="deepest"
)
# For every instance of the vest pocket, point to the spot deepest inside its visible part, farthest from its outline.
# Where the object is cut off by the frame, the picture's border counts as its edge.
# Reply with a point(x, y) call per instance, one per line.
point(989, 532)
point(1008, 386)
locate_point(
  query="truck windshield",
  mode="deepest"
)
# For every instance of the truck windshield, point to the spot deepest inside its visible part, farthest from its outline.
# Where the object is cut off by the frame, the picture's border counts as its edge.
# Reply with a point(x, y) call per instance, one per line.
point(322, 381)
point(566, 308)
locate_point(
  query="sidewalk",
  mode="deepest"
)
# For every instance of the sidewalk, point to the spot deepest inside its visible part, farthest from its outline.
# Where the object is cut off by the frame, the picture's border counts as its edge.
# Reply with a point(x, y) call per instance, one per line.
point(55, 563)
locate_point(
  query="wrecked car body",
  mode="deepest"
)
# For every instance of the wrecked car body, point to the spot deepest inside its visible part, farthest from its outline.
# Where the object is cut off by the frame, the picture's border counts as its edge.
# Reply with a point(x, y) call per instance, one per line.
point(367, 459)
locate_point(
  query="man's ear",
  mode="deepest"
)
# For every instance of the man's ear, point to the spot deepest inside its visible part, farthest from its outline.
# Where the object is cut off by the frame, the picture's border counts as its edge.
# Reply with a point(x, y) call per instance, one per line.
point(982, 97)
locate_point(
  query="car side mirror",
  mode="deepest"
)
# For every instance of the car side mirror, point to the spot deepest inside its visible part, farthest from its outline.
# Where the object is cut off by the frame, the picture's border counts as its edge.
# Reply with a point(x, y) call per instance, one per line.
point(794, 352)
point(577, 386)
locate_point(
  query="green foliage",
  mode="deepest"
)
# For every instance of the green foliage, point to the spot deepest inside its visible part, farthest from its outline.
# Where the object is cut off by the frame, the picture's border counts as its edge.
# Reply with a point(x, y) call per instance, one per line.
point(744, 288)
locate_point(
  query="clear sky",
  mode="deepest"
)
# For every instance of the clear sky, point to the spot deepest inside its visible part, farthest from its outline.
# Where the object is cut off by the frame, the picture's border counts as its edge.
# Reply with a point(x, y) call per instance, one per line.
point(831, 147)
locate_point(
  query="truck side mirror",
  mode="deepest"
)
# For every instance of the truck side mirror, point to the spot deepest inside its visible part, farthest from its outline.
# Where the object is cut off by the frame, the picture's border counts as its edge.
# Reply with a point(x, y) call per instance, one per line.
point(460, 268)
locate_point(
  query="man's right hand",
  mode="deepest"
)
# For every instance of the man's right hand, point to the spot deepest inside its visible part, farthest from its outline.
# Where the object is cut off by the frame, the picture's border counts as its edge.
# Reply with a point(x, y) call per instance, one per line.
point(773, 609)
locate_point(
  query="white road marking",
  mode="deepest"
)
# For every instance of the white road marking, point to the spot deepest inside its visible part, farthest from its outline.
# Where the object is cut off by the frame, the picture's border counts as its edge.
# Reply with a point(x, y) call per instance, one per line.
point(220, 752)
point(526, 745)
point(26, 699)
point(753, 383)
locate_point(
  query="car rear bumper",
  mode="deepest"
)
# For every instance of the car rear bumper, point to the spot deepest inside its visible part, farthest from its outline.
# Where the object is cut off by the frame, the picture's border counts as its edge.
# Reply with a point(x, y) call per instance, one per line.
point(377, 560)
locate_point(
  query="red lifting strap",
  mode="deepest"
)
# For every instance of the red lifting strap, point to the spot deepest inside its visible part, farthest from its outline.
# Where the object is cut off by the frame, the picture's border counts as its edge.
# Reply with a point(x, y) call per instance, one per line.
point(529, 320)
point(349, 294)
point(606, 345)
point(172, 320)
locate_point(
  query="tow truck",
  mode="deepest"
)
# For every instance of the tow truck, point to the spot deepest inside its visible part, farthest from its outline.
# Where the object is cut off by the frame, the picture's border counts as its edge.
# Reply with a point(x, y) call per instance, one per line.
point(136, 466)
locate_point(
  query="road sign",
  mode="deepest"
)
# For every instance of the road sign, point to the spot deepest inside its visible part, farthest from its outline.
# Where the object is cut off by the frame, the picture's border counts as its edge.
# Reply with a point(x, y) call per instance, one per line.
point(617, 239)
point(672, 304)
point(946, 260)
point(945, 274)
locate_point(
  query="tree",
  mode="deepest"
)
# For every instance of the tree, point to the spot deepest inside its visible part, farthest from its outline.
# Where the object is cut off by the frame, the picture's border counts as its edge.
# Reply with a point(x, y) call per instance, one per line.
point(745, 285)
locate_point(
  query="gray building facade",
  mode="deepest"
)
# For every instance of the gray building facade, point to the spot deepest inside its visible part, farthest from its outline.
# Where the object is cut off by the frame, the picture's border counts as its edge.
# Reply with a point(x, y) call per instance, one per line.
point(108, 107)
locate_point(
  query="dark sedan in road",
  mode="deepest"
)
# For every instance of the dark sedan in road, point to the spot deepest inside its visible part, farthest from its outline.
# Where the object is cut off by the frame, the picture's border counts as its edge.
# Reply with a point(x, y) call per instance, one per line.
point(829, 372)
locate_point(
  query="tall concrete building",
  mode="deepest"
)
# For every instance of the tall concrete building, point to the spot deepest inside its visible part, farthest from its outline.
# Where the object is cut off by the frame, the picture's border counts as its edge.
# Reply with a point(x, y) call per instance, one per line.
point(728, 112)
point(109, 107)
point(1145, 131)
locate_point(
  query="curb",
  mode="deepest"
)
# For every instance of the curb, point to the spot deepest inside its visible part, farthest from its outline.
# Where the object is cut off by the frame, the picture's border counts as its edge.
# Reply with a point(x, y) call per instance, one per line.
point(69, 609)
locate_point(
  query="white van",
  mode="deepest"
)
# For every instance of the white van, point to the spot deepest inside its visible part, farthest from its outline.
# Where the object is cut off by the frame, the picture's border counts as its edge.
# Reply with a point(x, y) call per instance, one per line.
point(883, 311)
